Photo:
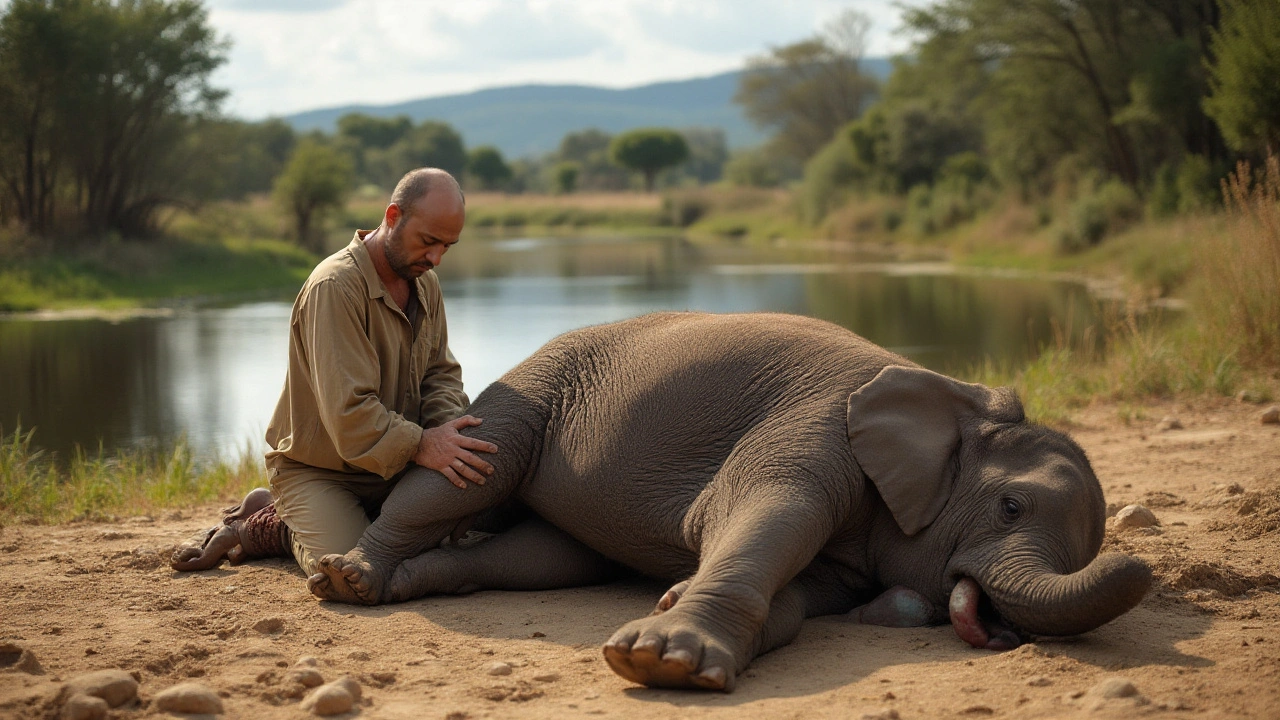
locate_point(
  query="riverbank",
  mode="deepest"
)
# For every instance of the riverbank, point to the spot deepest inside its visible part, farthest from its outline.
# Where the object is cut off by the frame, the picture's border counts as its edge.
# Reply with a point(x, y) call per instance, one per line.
point(93, 595)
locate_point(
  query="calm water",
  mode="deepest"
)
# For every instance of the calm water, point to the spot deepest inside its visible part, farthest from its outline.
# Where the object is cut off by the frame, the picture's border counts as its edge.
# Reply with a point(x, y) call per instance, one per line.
point(213, 374)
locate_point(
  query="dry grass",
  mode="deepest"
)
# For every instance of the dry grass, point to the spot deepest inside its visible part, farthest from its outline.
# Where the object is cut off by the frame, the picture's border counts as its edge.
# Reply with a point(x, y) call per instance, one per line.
point(584, 201)
point(1238, 297)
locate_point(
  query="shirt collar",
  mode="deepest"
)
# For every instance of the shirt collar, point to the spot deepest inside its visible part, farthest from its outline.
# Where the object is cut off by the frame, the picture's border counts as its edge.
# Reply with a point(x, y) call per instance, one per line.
point(371, 280)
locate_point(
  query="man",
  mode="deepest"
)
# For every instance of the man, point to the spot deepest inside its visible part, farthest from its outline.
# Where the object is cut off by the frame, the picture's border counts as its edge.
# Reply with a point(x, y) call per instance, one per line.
point(371, 387)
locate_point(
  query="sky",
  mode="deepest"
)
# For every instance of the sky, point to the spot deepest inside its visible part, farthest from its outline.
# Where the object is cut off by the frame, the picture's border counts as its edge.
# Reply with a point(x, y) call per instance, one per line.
point(292, 55)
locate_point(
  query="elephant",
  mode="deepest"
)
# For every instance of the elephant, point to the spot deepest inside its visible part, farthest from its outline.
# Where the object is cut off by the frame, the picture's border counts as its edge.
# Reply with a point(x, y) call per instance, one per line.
point(778, 467)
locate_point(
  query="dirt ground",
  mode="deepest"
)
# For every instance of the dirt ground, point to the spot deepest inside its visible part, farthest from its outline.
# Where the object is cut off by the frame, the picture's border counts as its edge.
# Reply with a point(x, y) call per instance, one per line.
point(1204, 644)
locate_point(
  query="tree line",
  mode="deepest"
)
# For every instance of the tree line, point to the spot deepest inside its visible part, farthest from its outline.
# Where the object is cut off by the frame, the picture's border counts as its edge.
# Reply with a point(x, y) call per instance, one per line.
point(1123, 106)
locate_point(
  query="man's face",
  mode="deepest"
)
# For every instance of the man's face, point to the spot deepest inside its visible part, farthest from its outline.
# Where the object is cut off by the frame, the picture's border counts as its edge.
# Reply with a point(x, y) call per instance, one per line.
point(422, 235)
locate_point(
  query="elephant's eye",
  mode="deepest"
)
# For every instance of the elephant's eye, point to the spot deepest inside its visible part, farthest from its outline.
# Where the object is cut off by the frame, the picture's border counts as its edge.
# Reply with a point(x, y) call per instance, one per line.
point(1010, 508)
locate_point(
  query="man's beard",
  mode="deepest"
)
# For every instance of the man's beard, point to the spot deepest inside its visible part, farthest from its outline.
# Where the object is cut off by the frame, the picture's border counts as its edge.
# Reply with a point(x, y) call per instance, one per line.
point(400, 264)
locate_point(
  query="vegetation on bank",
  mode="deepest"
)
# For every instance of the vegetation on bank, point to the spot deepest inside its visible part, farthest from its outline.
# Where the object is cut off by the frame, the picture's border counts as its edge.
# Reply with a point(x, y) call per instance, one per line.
point(36, 486)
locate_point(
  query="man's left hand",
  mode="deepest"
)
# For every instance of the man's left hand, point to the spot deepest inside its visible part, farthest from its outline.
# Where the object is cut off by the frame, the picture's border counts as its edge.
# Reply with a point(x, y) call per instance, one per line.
point(449, 452)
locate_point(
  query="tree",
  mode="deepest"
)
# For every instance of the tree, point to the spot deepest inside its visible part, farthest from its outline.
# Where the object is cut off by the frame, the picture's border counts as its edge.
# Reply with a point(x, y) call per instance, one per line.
point(590, 150)
point(430, 144)
point(316, 179)
point(1243, 75)
point(564, 177)
point(96, 97)
point(648, 151)
point(374, 132)
point(806, 91)
point(708, 153)
point(486, 165)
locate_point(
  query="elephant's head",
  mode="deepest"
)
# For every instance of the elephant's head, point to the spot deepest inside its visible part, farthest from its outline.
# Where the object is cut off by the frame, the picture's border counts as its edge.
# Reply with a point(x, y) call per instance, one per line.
point(990, 507)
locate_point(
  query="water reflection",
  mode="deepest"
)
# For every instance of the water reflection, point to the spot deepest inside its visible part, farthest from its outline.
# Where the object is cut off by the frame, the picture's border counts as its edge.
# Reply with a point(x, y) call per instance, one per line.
point(214, 374)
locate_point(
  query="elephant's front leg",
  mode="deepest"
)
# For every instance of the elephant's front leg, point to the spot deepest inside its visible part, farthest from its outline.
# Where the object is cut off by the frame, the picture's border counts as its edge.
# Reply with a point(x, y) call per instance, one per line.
point(731, 609)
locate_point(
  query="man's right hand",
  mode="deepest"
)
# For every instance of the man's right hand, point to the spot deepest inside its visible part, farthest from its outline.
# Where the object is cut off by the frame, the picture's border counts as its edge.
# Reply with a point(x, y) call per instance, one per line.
point(446, 450)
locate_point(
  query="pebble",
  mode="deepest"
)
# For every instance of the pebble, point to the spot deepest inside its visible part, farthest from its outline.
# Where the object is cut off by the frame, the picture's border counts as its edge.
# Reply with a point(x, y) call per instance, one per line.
point(1134, 516)
point(1270, 416)
point(19, 658)
point(305, 676)
point(85, 707)
point(1169, 423)
point(881, 714)
point(333, 698)
point(116, 687)
point(1247, 396)
point(308, 661)
point(191, 698)
point(1114, 687)
point(547, 677)
point(1039, 681)
point(269, 626)
point(498, 668)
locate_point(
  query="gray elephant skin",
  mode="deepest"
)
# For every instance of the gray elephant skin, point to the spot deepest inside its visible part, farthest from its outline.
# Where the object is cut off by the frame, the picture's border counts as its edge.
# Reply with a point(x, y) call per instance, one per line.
point(778, 467)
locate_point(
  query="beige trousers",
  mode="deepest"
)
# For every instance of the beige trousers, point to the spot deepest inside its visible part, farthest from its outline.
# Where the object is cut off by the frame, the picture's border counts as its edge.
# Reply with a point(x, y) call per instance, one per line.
point(326, 511)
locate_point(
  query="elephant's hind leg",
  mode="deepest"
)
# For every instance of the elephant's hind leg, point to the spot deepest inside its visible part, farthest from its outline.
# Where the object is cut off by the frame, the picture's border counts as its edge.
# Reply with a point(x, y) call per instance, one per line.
point(533, 555)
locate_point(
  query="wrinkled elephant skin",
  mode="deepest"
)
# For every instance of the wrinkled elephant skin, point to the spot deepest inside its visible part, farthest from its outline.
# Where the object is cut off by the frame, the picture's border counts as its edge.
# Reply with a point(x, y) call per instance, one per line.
point(780, 468)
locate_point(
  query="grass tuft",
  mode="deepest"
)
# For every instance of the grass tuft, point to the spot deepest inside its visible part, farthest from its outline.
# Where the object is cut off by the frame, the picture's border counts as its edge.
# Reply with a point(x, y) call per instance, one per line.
point(38, 487)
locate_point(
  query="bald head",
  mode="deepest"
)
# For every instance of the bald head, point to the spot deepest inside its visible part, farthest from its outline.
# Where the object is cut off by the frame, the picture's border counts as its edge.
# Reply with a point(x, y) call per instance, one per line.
point(417, 184)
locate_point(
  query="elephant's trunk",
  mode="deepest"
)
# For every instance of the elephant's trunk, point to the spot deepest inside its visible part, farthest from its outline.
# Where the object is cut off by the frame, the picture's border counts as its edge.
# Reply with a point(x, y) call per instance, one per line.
point(1047, 603)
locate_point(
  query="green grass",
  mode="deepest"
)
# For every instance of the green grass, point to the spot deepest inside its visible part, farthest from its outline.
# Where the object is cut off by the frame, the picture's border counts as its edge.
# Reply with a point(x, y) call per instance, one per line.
point(123, 274)
point(37, 486)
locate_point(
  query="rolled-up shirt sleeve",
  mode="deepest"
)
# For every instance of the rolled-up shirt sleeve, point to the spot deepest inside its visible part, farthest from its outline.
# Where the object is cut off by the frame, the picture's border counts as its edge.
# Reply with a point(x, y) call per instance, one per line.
point(344, 376)
point(441, 390)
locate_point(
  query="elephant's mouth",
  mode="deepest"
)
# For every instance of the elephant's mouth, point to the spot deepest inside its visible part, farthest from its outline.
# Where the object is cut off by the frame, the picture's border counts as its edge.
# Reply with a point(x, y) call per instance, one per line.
point(977, 621)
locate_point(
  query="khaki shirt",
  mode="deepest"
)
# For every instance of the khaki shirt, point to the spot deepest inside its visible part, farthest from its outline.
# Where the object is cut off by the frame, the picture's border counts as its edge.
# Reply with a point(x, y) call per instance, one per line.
point(362, 382)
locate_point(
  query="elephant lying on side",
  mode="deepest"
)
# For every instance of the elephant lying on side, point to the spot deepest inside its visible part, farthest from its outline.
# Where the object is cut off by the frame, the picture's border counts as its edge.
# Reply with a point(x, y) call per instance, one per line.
point(781, 468)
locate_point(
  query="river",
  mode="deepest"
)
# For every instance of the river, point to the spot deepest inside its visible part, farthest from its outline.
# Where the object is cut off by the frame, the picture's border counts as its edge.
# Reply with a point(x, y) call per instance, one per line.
point(213, 373)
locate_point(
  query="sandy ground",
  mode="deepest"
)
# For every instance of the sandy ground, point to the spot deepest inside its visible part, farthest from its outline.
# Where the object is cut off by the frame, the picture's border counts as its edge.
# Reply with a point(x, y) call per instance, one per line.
point(1204, 644)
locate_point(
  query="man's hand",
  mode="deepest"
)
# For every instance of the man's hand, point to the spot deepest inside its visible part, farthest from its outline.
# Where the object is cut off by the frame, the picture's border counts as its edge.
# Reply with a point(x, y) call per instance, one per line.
point(444, 449)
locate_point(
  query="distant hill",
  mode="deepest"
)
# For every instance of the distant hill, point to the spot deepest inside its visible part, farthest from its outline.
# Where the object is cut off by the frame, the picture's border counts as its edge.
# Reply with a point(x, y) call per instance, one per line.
point(526, 120)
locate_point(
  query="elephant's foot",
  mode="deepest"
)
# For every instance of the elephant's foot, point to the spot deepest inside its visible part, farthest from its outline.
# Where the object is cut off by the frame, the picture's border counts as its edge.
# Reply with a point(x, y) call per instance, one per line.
point(992, 634)
point(348, 579)
point(672, 650)
point(227, 540)
point(899, 607)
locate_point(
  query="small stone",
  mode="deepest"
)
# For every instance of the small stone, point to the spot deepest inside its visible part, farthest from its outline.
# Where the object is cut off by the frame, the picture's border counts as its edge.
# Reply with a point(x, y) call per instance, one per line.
point(1270, 416)
point(306, 677)
point(117, 687)
point(538, 635)
point(498, 668)
point(192, 698)
point(547, 677)
point(307, 661)
point(359, 655)
point(333, 698)
point(386, 678)
point(881, 714)
point(85, 707)
point(1247, 396)
point(269, 626)
point(1039, 681)
point(1114, 687)
point(1168, 423)
point(1133, 517)
point(349, 684)
point(19, 658)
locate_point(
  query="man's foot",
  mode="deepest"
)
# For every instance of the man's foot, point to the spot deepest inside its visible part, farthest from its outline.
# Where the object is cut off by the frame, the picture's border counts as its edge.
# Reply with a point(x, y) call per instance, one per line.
point(348, 579)
point(208, 549)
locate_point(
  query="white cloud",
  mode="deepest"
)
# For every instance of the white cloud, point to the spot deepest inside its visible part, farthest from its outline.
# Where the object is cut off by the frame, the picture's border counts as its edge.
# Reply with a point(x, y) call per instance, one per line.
point(291, 55)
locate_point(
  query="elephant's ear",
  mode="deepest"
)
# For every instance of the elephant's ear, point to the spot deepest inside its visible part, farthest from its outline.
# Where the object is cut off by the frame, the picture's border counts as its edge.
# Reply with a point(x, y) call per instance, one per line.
point(904, 428)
